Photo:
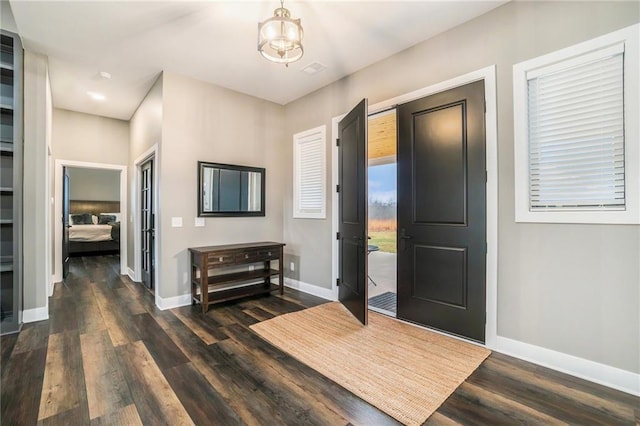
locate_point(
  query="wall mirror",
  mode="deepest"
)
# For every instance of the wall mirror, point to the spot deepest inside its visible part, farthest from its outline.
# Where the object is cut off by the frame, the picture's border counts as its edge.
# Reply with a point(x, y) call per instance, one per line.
point(229, 190)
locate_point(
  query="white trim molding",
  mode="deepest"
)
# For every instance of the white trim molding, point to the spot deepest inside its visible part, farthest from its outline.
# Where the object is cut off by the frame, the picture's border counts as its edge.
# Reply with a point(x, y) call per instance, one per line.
point(36, 314)
point(132, 275)
point(613, 377)
point(58, 210)
point(173, 302)
point(314, 290)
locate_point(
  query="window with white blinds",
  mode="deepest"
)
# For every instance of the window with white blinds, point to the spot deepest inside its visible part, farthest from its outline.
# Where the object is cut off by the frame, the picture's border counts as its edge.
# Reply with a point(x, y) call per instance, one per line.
point(576, 132)
point(309, 173)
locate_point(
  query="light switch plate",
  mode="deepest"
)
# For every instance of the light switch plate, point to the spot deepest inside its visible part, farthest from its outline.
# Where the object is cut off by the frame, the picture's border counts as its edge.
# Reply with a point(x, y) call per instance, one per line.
point(176, 222)
point(199, 222)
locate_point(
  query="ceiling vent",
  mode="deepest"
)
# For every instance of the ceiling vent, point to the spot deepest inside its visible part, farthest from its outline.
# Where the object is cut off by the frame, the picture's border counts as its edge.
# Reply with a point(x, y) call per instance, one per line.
point(314, 68)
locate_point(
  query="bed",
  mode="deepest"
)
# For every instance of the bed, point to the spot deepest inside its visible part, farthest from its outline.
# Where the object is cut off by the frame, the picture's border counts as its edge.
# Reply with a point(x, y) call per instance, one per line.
point(95, 227)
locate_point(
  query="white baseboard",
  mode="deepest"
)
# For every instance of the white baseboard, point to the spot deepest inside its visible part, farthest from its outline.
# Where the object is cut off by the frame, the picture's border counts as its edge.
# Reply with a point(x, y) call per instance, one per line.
point(132, 275)
point(36, 314)
point(325, 293)
point(173, 302)
point(606, 375)
point(51, 286)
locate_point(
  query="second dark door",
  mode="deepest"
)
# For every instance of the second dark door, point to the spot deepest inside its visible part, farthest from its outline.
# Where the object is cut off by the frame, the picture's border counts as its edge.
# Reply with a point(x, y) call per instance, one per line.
point(65, 223)
point(442, 211)
point(352, 226)
point(147, 217)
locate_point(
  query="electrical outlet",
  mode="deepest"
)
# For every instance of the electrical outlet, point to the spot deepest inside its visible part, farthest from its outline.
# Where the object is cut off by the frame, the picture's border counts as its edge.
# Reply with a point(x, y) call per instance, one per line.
point(292, 266)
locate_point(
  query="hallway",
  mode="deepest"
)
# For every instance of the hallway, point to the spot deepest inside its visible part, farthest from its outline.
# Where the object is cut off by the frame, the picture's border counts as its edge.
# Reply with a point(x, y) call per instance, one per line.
point(107, 355)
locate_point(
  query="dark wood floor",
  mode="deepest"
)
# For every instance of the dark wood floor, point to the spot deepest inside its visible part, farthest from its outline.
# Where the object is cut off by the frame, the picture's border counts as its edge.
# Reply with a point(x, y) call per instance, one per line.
point(109, 356)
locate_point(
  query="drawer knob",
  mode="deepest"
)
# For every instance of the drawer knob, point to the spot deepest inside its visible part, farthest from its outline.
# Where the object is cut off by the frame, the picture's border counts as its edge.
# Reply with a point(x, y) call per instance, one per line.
point(220, 259)
point(269, 253)
point(246, 256)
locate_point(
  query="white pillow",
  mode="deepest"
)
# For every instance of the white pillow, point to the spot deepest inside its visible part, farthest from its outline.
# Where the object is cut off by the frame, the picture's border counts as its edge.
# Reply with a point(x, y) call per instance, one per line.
point(94, 218)
point(117, 215)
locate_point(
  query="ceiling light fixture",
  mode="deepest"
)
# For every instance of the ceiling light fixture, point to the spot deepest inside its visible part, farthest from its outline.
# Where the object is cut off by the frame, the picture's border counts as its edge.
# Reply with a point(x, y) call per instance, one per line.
point(96, 96)
point(280, 37)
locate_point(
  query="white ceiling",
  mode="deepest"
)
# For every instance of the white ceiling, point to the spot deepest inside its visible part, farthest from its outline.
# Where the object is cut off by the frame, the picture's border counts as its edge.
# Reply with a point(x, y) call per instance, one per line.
point(215, 41)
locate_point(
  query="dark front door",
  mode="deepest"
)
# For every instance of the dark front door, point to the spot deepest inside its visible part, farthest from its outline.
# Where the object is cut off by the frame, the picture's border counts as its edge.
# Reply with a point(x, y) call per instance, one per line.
point(441, 211)
point(352, 236)
point(147, 223)
point(65, 223)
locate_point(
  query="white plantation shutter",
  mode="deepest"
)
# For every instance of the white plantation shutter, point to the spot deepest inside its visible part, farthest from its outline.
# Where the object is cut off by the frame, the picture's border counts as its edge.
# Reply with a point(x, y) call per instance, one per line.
point(576, 133)
point(309, 174)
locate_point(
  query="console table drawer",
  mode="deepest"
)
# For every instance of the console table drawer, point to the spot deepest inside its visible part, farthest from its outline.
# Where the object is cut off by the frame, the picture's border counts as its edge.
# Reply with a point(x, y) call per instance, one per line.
point(220, 259)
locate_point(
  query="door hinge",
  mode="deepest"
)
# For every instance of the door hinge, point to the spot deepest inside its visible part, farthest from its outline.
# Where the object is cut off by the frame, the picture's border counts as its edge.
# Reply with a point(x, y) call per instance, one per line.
point(337, 188)
point(485, 317)
point(337, 235)
point(485, 105)
point(486, 248)
point(486, 176)
point(338, 142)
point(337, 282)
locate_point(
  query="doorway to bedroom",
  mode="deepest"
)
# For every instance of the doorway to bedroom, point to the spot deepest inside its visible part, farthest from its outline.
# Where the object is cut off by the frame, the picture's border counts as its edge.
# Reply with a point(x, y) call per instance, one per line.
point(91, 213)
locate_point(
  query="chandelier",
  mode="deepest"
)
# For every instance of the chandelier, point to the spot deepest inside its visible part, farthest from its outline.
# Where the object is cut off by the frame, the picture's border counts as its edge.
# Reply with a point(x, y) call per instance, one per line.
point(280, 37)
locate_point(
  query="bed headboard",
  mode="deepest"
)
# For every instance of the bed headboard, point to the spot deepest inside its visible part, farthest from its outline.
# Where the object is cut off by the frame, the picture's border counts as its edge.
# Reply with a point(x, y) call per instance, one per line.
point(93, 207)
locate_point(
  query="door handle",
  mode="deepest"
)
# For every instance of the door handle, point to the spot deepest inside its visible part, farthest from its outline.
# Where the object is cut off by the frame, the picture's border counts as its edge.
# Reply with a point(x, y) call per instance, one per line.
point(403, 237)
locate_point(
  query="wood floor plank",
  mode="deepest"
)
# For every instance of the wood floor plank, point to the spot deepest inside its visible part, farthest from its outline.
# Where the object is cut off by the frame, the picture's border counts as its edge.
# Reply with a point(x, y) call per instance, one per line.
point(198, 397)
point(119, 325)
point(438, 419)
point(125, 416)
point(89, 317)
point(73, 416)
point(62, 315)
point(198, 324)
point(21, 387)
point(155, 400)
point(165, 353)
point(33, 336)
point(107, 390)
point(63, 386)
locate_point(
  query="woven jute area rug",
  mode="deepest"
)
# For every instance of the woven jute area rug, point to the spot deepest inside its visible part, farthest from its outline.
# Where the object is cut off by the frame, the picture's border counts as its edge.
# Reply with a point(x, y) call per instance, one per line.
point(403, 370)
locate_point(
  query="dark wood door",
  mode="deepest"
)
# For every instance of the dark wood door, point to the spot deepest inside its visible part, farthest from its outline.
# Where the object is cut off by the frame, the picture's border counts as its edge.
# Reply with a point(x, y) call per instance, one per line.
point(352, 226)
point(65, 223)
point(147, 225)
point(441, 211)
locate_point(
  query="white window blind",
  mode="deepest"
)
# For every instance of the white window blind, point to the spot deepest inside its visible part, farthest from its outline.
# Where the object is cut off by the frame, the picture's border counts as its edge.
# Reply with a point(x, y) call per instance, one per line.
point(576, 133)
point(309, 174)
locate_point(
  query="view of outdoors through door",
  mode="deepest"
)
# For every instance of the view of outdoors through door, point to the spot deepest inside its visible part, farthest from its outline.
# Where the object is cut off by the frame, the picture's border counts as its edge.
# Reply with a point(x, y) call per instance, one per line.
point(382, 212)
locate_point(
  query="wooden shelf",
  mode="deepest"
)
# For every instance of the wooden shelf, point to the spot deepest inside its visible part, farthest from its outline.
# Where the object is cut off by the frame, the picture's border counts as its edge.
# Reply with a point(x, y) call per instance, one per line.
point(238, 292)
point(238, 277)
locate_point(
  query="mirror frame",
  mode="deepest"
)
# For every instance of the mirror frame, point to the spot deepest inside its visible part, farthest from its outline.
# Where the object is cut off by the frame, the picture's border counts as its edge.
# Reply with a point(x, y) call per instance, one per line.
point(202, 213)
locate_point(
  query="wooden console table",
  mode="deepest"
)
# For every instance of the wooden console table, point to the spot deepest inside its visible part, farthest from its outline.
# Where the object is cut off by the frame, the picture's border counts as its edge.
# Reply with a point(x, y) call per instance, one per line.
point(233, 284)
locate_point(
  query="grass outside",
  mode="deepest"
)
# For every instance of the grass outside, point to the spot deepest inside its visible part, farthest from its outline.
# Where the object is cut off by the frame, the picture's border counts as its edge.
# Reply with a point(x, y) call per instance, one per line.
point(386, 240)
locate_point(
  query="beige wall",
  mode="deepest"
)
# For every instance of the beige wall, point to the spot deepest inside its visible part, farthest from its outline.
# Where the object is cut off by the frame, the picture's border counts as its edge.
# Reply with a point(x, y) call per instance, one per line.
point(35, 232)
point(94, 184)
point(570, 288)
point(145, 131)
point(89, 138)
point(209, 123)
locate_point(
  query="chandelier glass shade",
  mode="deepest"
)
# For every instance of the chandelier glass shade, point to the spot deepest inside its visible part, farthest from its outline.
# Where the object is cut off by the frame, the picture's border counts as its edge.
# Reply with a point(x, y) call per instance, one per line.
point(280, 37)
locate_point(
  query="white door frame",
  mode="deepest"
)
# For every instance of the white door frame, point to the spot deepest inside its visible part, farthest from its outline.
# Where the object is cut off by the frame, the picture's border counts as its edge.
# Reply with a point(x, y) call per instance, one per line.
point(58, 210)
point(488, 74)
point(136, 274)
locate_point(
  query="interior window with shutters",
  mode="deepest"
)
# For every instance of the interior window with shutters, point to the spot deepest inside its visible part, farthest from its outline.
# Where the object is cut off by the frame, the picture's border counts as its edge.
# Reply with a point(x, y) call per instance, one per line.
point(309, 172)
point(575, 145)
